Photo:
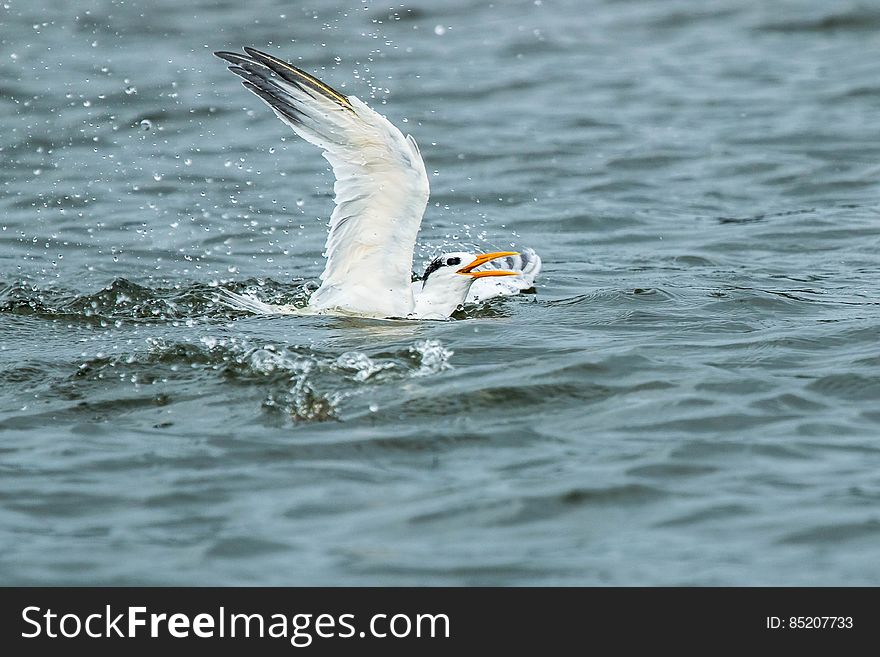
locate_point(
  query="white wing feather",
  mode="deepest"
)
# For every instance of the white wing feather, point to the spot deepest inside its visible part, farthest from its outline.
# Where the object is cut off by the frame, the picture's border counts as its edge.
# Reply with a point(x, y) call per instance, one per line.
point(250, 304)
point(381, 188)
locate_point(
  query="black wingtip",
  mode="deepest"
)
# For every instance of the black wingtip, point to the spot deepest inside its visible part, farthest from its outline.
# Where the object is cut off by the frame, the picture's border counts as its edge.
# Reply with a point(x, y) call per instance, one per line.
point(225, 54)
point(253, 52)
point(297, 76)
point(277, 104)
point(257, 64)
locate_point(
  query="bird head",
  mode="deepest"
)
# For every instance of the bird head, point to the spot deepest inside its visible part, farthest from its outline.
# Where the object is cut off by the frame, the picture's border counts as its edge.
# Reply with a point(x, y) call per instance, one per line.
point(448, 278)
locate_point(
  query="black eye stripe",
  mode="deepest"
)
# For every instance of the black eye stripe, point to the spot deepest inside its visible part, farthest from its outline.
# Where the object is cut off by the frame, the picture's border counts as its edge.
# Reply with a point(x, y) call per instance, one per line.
point(434, 266)
point(436, 263)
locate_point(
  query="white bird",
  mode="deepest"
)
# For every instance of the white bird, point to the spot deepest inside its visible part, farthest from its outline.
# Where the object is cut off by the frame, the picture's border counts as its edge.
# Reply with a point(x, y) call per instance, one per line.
point(381, 192)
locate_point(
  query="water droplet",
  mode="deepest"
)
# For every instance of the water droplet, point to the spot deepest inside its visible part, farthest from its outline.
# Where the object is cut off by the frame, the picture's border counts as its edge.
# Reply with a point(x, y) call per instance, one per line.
point(131, 89)
point(300, 202)
point(439, 30)
point(146, 125)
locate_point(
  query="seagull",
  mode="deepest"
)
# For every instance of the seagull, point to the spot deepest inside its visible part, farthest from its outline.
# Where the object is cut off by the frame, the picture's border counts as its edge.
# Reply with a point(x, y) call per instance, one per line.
point(381, 192)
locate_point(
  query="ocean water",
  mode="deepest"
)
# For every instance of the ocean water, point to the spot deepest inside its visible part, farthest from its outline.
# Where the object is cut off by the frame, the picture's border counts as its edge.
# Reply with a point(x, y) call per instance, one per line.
point(690, 397)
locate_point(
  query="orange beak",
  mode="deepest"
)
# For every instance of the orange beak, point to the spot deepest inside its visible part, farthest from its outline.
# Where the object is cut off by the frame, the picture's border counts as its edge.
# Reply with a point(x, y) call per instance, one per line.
point(484, 258)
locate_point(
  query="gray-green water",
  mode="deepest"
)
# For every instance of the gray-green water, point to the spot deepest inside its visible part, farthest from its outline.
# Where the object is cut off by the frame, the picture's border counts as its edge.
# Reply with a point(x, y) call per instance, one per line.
point(690, 398)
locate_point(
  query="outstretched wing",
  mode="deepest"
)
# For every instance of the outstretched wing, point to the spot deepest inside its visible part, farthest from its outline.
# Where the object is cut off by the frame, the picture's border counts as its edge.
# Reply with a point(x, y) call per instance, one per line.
point(527, 265)
point(381, 188)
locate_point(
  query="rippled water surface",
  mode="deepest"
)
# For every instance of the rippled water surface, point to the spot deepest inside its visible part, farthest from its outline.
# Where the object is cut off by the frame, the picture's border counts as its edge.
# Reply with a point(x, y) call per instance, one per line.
point(691, 397)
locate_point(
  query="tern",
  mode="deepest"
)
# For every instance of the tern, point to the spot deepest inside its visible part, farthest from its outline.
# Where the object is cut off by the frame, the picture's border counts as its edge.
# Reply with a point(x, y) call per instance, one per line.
point(381, 192)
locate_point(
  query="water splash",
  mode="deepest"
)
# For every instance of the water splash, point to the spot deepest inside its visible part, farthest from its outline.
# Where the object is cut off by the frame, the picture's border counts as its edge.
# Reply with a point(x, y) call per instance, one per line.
point(125, 301)
point(432, 356)
point(363, 366)
point(294, 382)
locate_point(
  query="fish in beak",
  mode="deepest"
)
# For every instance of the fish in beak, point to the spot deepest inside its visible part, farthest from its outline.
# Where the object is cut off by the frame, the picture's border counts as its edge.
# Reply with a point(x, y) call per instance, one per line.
point(483, 258)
